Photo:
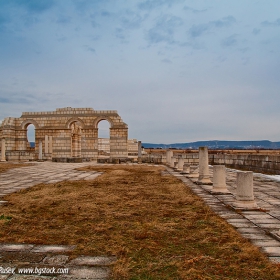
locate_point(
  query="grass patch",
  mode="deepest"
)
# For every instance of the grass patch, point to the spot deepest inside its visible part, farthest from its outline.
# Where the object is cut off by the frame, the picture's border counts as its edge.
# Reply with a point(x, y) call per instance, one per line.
point(157, 228)
point(5, 166)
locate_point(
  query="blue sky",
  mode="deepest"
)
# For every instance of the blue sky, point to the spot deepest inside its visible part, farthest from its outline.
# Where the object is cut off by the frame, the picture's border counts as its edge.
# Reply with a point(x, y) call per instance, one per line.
point(176, 70)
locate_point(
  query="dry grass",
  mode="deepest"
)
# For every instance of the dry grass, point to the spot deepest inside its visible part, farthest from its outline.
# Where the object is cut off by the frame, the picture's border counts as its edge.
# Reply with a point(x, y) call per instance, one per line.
point(4, 166)
point(156, 227)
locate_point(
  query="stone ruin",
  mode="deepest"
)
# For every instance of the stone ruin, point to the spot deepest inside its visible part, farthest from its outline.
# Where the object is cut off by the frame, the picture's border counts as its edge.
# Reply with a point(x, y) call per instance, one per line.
point(65, 135)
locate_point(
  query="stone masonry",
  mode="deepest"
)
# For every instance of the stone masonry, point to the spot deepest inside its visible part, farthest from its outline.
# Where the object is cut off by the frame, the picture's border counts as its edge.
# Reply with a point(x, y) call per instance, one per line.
point(66, 134)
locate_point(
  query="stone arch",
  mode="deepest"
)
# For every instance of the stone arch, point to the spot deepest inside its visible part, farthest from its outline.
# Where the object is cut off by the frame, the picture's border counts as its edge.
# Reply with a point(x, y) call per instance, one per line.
point(27, 122)
point(75, 125)
point(102, 118)
point(73, 120)
point(24, 144)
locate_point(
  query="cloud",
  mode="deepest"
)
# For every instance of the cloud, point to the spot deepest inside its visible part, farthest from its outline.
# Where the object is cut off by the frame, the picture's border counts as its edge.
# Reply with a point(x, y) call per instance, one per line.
point(230, 41)
point(3, 22)
point(36, 6)
point(89, 49)
point(199, 29)
point(104, 13)
point(166, 61)
point(62, 19)
point(5, 100)
point(164, 29)
point(131, 20)
point(119, 33)
point(20, 98)
point(187, 8)
point(271, 23)
point(256, 31)
point(224, 22)
point(153, 4)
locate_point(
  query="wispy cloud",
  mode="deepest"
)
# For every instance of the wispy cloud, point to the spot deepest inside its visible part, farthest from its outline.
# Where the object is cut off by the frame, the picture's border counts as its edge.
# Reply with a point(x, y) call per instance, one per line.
point(199, 29)
point(4, 20)
point(36, 6)
point(230, 41)
point(271, 23)
point(153, 4)
point(89, 49)
point(164, 29)
point(196, 11)
point(131, 20)
point(256, 31)
point(168, 61)
point(224, 22)
point(20, 98)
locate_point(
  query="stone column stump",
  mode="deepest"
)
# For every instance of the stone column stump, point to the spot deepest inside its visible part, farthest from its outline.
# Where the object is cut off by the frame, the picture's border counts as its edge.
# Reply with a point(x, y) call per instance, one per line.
point(193, 172)
point(219, 179)
point(244, 191)
point(204, 177)
point(186, 168)
point(180, 164)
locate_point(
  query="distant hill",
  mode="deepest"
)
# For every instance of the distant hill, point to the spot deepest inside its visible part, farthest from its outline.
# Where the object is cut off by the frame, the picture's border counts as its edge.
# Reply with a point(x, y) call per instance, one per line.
point(217, 144)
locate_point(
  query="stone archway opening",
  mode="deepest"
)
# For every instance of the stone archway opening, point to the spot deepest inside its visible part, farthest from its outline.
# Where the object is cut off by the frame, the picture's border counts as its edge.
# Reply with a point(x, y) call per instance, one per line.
point(103, 127)
point(30, 135)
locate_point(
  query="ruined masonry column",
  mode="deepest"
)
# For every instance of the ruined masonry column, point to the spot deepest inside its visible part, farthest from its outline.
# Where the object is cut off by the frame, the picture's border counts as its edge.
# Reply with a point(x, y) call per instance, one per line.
point(244, 190)
point(219, 179)
point(204, 177)
point(40, 150)
point(50, 144)
point(46, 144)
point(169, 155)
point(139, 151)
point(180, 164)
point(172, 161)
point(3, 150)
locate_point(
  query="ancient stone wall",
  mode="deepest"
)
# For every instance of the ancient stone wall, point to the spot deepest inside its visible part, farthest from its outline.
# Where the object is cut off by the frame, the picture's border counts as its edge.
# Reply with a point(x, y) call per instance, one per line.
point(65, 133)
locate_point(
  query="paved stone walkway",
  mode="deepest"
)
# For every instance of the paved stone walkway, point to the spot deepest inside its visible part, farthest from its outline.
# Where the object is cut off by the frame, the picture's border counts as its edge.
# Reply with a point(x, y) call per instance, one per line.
point(41, 172)
point(260, 226)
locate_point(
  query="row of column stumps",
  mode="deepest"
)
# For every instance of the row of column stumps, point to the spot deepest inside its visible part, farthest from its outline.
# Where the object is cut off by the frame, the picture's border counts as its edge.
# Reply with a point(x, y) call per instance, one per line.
point(244, 180)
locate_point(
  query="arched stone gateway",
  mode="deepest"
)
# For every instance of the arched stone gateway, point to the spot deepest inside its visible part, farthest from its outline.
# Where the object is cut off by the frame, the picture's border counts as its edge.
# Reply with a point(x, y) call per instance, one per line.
point(67, 134)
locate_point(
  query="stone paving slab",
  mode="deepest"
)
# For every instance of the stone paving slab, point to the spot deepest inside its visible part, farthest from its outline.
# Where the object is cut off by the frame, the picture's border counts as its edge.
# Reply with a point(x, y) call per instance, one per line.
point(15, 247)
point(43, 172)
point(26, 256)
point(52, 249)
